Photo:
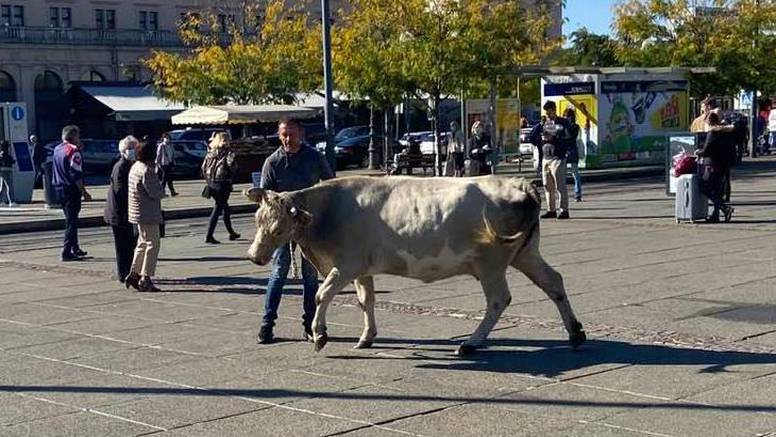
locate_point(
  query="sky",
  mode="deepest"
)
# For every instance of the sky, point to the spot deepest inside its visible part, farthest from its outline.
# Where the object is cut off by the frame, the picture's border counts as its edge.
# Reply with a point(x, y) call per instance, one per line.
point(596, 15)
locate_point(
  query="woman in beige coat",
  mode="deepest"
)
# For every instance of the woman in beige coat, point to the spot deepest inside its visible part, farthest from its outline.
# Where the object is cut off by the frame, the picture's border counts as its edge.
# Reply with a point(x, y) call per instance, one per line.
point(145, 211)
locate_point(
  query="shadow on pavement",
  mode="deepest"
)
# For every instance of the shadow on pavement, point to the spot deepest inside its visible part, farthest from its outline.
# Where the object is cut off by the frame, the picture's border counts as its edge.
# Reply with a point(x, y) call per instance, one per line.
point(552, 358)
point(204, 259)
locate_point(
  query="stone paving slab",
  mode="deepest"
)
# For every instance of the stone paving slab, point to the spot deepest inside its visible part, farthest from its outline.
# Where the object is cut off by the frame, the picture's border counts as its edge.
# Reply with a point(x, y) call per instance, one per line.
point(681, 339)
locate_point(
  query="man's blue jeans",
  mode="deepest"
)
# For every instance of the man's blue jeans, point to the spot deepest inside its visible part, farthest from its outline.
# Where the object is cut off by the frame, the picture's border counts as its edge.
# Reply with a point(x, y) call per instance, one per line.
point(277, 279)
point(577, 180)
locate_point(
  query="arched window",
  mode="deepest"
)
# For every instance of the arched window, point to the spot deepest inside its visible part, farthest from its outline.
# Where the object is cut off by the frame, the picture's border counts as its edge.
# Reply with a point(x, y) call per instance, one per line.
point(7, 87)
point(48, 82)
point(93, 76)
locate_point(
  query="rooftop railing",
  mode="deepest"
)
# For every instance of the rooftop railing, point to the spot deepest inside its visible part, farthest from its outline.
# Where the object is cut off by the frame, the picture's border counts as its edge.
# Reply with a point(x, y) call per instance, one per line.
point(117, 37)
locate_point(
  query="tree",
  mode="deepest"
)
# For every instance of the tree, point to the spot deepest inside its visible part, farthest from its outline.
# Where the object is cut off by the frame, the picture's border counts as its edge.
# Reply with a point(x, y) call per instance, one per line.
point(736, 36)
point(259, 53)
point(437, 48)
point(589, 50)
point(366, 59)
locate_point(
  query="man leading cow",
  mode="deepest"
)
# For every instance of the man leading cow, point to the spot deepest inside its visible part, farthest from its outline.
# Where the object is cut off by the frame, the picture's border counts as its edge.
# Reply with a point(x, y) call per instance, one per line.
point(293, 166)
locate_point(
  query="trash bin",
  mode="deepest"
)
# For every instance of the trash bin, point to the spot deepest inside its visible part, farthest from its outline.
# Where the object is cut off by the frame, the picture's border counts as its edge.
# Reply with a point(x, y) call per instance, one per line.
point(48, 189)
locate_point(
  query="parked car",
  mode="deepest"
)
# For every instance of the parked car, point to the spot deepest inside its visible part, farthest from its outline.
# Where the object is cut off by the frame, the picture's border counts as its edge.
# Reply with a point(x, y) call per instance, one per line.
point(351, 147)
point(98, 155)
point(195, 134)
point(427, 144)
point(525, 148)
point(413, 136)
point(188, 157)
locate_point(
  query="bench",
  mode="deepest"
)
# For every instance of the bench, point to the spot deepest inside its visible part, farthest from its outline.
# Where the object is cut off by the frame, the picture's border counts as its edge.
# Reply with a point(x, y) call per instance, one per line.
point(409, 162)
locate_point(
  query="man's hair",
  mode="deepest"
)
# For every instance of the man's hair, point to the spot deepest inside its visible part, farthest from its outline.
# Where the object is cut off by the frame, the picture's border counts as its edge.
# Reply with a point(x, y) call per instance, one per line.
point(145, 152)
point(70, 133)
point(290, 122)
point(549, 104)
point(713, 119)
point(570, 113)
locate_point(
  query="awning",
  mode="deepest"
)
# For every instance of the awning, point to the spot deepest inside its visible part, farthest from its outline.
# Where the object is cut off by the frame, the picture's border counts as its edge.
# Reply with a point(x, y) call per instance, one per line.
point(241, 114)
point(133, 103)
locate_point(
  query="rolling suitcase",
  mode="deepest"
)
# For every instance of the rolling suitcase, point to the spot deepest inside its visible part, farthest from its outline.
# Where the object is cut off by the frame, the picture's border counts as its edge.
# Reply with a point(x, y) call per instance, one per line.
point(691, 204)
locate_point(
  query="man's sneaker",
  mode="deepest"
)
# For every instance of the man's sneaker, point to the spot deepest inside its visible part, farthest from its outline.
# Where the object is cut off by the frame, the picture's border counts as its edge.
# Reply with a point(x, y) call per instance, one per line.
point(729, 214)
point(81, 253)
point(549, 215)
point(564, 215)
point(578, 199)
point(265, 335)
point(68, 257)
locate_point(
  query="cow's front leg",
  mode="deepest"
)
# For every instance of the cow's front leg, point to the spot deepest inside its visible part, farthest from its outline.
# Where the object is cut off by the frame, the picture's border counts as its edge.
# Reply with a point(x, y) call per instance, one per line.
point(497, 298)
point(332, 285)
point(537, 270)
point(365, 290)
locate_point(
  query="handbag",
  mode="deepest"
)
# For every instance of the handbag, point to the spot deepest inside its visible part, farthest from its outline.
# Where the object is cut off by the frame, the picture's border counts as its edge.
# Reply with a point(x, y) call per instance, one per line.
point(206, 192)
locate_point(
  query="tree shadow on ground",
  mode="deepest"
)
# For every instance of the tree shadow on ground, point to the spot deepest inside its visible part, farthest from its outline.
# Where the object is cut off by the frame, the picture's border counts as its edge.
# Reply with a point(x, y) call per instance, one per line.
point(205, 259)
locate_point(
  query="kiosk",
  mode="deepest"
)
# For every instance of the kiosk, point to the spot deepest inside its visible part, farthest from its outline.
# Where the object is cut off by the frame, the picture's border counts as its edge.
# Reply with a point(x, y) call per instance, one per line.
point(626, 116)
point(13, 128)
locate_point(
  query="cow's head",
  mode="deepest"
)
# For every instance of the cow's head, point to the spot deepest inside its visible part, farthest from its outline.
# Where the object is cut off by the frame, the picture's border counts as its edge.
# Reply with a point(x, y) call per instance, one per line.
point(277, 219)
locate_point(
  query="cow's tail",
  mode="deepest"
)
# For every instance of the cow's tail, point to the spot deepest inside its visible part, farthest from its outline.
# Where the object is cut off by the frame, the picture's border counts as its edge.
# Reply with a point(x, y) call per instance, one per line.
point(489, 236)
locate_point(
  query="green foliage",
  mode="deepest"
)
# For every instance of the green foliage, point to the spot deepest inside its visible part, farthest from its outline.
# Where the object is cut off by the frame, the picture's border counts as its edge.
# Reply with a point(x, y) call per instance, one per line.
point(589, 50)
point(266, 59)
point(736, 36)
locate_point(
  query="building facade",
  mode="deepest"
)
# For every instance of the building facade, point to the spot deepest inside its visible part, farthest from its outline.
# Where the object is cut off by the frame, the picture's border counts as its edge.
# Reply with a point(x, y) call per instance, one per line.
point(46, 44)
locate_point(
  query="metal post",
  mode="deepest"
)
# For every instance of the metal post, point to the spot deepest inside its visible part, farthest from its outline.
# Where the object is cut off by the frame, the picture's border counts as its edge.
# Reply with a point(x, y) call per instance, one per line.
point(753, 112)
point(329, 84)
point(373, 160)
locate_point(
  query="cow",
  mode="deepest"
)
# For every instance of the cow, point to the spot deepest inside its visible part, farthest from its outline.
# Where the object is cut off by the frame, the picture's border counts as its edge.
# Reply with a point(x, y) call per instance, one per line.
point(353, 228)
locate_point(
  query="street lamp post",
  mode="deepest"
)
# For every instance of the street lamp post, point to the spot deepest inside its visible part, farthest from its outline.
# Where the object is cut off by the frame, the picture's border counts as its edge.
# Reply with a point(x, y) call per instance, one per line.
point(328, 111)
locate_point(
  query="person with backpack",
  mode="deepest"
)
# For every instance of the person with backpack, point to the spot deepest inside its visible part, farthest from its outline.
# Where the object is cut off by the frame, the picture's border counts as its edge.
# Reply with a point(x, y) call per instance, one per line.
point(717, 156)
point(553, 137)
point(219, 169)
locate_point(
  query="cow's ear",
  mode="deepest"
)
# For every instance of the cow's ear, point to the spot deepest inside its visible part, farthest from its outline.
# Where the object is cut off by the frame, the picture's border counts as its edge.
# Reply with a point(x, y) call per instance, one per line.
point(301, 216)
point(257, 195)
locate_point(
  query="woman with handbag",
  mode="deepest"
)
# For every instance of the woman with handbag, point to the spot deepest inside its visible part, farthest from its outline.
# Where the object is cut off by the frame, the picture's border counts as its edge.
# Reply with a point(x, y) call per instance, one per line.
point(219, 169)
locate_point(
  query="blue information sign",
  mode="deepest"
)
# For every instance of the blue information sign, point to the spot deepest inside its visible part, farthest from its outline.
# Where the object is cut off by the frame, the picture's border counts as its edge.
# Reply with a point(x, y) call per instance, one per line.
point(17, 113)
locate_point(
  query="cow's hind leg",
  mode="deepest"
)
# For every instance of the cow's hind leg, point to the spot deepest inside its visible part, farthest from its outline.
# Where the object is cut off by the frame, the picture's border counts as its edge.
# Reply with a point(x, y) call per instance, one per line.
point(365, 290)
point(332, 285)
point(537, 270)
point(497, 298)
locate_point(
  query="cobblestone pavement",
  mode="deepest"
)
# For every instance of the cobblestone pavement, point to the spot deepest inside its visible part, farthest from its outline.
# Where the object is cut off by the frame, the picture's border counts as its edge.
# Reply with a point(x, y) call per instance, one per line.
point(680, 320)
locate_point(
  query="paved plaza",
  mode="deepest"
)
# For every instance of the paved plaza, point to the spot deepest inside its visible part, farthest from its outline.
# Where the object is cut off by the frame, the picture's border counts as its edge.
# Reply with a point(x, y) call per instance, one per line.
point(681, 325)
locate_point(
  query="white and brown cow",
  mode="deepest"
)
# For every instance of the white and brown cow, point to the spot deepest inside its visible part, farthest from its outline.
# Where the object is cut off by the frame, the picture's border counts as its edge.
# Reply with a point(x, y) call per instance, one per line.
point(428, 229)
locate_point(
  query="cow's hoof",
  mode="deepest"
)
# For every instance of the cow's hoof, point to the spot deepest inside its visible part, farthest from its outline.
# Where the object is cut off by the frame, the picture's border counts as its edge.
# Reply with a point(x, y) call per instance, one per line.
point(320, 341)
point(466, 350)
point(363, 344)
point(576, 339)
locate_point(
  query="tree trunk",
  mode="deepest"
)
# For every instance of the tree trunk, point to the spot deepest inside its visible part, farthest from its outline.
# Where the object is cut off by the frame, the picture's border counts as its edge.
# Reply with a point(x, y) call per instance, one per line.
point(437, 145)
point(386, 132)
point(373, 152)
point(492, 127)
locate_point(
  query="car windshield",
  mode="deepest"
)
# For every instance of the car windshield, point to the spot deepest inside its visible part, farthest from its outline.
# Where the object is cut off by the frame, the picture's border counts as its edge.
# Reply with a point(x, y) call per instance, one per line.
point(197, 147)
point(349, 132)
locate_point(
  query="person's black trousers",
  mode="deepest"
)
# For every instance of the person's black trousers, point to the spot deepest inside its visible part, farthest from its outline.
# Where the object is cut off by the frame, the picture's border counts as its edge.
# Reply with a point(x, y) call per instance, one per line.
point(221, 197)
point(70, 198)
point(167, 172)
point(124, 241)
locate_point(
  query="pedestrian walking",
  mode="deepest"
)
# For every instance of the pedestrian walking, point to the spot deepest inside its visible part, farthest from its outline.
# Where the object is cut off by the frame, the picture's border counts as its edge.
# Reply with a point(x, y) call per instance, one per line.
point(293, 166)
point(68, 182)
point(553, 137)
point(6, 173)
point(144, 210)
point(219, 169)
point(116, 212)
point(165, 162)
point(456, 151)
point(717, 156)
point(772, 125)
point(572, 155)
point(38, 153)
